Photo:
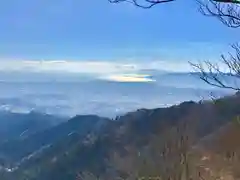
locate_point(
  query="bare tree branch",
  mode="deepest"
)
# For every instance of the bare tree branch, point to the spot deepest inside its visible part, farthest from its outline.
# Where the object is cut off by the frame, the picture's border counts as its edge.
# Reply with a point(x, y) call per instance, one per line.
point(213, 75)
point(146, 4)
point(228, 12)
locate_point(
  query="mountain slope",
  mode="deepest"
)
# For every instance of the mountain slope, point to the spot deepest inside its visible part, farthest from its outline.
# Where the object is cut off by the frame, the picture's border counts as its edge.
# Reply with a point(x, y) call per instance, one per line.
point(16, 125)
point(218, 154)
point(115, 149)
point(13, 151)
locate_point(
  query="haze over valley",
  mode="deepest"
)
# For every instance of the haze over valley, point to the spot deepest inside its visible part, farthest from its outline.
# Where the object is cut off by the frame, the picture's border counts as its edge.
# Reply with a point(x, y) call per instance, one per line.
point(102, 88)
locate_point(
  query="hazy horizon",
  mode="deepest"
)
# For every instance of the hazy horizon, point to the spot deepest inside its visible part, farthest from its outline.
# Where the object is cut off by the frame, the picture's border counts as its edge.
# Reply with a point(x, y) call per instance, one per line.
point(74, 94)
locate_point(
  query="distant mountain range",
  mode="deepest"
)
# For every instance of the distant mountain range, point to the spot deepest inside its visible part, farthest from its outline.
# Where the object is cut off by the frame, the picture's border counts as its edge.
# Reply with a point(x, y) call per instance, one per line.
point(25, 146)
point(21, 125)
point(111, 148)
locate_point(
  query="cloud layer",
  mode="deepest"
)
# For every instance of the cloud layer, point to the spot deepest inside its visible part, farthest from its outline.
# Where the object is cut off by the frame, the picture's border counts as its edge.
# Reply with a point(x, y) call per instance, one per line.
point(86, 87)
point(120, 71)
point(109, 70)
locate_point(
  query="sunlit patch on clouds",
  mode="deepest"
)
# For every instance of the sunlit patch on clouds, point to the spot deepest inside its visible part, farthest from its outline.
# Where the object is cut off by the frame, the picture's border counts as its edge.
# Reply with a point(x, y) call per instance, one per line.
point(129, 78)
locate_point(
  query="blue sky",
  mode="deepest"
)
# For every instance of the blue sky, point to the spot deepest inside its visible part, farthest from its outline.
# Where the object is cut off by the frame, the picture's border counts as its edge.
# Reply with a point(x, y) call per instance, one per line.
point(115, 42)
point(99, 31)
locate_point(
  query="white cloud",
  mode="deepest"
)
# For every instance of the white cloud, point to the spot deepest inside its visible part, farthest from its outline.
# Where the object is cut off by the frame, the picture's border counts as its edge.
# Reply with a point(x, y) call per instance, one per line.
point(124, 70)
point(92, 67)
point(98, 68)
point(63, 66)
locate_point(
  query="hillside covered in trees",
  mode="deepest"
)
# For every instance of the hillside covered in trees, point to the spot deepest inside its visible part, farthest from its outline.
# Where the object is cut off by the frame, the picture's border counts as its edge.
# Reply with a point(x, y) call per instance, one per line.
point(175, 142)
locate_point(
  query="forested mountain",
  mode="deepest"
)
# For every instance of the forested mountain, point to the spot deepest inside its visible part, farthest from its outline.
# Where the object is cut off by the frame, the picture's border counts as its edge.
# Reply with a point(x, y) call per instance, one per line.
point(147, 142)
point(21, 125)
point(15, 150)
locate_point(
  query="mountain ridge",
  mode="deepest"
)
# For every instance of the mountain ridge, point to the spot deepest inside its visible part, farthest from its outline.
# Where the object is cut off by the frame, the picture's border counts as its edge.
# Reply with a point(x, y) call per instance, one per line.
point(142, 131)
